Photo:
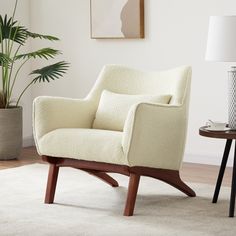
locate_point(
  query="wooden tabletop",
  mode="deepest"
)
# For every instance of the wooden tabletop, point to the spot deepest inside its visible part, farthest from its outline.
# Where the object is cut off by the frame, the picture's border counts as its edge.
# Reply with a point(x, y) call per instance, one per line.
point(229, 134)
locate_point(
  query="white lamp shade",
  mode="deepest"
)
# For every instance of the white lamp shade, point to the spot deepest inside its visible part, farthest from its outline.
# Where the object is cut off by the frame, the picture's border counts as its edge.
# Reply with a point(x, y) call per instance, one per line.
point(221, 44)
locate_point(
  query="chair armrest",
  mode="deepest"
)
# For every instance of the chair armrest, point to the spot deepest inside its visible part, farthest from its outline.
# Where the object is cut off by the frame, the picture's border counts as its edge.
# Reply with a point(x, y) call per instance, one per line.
point(50, 113)
point(154, 135)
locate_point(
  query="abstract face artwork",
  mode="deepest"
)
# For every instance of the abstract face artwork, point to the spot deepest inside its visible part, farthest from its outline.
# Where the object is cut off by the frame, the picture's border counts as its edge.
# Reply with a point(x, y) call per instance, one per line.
point(117, 18)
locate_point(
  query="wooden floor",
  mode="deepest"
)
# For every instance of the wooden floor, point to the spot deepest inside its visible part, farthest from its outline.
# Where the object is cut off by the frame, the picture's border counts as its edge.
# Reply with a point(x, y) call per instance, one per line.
point(190, 172)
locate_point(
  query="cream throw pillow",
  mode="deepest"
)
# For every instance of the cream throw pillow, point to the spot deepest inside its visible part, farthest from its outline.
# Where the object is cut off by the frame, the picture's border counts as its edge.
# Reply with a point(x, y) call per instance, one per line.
point(113, 108)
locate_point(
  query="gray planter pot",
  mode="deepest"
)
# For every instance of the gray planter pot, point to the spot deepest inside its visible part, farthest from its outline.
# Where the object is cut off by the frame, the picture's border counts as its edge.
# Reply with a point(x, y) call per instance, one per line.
point(10, 133)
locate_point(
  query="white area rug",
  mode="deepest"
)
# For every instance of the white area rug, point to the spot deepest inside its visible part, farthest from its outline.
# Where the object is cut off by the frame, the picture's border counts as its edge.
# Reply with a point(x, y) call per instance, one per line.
point(85, 205)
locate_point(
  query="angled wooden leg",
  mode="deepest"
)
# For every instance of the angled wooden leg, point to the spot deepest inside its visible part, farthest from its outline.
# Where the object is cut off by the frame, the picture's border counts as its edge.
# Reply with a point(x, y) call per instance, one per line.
point(103, 176)
point(179, 184)
point(174, 180)
point(132, 193)
point(169, 176)
point(51, 184)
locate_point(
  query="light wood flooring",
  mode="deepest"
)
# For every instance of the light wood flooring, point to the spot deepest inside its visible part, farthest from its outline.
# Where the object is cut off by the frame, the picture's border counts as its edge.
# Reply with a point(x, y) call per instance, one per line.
point(190, 172)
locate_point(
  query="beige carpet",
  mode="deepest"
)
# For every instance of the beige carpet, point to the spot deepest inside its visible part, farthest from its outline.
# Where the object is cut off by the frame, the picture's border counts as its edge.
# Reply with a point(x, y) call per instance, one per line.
point(87, 206)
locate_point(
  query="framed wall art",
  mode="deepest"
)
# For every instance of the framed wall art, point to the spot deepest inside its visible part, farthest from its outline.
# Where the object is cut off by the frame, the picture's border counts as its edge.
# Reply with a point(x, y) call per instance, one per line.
point(117, 18)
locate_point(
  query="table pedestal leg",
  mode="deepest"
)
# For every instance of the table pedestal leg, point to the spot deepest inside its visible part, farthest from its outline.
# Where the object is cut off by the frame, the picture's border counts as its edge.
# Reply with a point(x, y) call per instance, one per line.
point(222, 170)
point(233, 187)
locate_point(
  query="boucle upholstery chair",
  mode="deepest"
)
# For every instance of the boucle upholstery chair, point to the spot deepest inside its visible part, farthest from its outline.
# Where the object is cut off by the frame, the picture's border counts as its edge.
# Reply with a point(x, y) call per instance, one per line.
point(151, 143)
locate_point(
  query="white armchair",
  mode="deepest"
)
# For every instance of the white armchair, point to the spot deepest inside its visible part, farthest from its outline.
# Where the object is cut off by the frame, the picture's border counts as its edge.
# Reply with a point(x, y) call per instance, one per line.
point(151, 143)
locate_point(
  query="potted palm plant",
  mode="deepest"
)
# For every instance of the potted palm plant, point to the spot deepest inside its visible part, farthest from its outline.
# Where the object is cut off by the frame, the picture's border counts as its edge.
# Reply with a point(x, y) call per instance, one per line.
point(13, 37)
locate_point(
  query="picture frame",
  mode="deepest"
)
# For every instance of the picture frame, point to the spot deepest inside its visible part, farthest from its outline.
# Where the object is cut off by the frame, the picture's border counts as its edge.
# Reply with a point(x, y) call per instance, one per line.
point(117, 19)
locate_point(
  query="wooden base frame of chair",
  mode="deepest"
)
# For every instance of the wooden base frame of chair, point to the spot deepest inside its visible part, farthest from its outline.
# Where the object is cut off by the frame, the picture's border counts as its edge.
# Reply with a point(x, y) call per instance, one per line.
point(99, 170)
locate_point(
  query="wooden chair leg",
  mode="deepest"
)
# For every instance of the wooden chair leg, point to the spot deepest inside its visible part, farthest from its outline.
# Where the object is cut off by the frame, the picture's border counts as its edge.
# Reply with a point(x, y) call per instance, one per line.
point(132, 193)
point(179, 184)
point(51, 184)
point(104, 177)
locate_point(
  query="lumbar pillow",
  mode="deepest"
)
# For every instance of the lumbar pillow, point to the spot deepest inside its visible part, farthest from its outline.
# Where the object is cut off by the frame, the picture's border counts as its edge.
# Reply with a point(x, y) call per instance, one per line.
point(113, 108)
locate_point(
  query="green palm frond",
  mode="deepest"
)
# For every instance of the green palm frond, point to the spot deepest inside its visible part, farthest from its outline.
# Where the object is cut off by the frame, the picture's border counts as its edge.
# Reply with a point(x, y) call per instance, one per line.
point(45, 53)
point(9, 30)
point(4, 59)
point(52, 72)
point(41, 36)
point(13, 37)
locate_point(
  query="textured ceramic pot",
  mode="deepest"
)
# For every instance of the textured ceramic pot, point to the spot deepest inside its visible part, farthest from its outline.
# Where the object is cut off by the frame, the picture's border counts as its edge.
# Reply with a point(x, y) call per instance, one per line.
point(10, 133)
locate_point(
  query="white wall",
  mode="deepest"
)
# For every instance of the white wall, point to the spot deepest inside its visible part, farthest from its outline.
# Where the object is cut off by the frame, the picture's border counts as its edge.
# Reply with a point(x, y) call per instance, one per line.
point(23, 16)
point(175, 34)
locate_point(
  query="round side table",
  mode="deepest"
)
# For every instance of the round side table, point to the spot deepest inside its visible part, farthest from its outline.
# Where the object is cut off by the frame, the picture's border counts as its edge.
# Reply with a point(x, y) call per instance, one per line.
point(229, 136)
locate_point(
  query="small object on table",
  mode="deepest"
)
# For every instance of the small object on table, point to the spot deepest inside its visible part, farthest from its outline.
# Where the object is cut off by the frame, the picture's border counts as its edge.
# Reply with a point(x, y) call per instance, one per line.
point(229, 135)
point(216, 126)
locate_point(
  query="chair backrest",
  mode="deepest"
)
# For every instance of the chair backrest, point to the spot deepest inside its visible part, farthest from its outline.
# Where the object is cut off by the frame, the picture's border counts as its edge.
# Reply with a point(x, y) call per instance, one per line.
point(124, 80)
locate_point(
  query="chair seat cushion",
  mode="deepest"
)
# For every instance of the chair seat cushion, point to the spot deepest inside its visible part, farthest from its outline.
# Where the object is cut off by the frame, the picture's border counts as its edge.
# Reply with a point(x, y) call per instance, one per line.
point(84, 144)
